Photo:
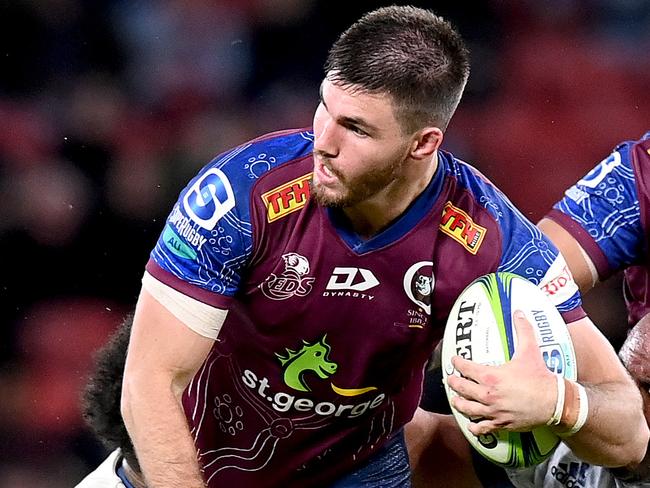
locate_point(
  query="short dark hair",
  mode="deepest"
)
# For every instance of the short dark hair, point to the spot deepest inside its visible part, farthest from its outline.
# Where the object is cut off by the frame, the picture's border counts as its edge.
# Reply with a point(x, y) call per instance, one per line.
point(101, 396)
point(410, 53)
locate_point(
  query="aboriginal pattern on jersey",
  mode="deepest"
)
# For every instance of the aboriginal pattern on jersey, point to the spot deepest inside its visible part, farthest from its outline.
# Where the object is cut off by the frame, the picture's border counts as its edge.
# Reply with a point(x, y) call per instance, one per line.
point(208, 236)
point(605, 203)
point(526, 250)
point(272, 418)
point(321, 357)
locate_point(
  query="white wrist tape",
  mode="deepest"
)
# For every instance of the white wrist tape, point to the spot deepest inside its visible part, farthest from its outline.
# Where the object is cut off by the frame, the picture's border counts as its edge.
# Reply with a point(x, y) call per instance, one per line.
point(583, 412)
point(556, 418)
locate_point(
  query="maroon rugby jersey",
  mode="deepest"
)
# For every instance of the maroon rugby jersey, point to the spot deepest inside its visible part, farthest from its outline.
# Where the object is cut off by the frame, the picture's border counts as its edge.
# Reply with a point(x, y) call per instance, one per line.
point(321, 357)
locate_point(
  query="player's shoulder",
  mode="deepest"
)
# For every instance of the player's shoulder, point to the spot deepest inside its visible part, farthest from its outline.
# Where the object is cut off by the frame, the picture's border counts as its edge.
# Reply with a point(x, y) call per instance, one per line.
point(474, 193)
point(467, 176)
point(252, 159)
point(226, 182)
point(470, 184)
point(629, 144)
point(471, 198)
point(633, 153)
point(627, 166)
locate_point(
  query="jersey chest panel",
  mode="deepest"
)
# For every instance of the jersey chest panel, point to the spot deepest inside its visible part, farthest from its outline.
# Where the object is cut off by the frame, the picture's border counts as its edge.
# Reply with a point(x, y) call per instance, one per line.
point(323, 344)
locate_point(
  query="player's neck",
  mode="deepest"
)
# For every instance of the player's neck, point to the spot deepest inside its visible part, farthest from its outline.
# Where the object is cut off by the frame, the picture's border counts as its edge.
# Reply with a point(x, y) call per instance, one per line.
point(370, 217)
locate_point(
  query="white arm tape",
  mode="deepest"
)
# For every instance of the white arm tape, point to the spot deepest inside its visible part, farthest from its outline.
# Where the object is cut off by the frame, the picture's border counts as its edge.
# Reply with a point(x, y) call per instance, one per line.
point(556, 418)
point(203, 319)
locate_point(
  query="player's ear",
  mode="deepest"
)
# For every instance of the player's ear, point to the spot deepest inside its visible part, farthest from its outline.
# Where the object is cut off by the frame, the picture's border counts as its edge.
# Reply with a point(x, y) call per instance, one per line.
point(426, 141)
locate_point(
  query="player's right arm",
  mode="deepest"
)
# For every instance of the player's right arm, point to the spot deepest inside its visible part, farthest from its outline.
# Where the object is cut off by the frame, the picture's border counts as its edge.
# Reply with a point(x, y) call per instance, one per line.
point(163, 356)
point(193, 274)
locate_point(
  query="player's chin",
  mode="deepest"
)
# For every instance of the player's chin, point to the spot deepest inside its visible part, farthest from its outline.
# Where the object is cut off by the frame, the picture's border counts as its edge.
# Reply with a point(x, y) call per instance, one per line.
point(328, 197)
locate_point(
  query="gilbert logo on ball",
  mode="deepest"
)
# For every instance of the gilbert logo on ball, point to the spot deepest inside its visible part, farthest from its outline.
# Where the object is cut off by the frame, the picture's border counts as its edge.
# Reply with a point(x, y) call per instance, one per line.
point(480, 328)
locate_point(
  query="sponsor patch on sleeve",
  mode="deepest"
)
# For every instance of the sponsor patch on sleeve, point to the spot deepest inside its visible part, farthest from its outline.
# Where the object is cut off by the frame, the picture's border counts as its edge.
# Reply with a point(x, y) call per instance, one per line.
point(558, 282)
point(209, 198)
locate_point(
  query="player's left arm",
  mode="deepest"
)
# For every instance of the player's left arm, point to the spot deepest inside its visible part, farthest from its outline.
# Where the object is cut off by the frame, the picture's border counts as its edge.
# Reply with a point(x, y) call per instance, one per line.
point(521, 395)
point(581, 266)
point(615, 432)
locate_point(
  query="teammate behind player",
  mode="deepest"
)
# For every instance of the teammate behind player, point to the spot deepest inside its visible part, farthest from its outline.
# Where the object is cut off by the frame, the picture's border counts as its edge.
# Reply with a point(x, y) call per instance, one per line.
point(289, 306)
point(101, 410)
point(600, 230)
point(601, 226)
point(602, 223)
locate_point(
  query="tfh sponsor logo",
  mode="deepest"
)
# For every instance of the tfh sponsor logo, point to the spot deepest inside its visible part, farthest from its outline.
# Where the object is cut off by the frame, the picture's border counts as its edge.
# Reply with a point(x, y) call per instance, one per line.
point(293, 281)
point(209, 198)
point(460, 227)
point(287, 198)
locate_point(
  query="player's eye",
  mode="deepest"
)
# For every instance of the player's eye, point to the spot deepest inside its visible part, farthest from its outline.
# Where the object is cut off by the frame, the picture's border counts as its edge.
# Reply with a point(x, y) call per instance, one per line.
point(357, 130)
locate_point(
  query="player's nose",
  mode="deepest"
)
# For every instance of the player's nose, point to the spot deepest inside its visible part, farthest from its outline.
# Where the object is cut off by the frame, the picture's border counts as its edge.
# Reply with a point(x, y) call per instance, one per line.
point(326, 141)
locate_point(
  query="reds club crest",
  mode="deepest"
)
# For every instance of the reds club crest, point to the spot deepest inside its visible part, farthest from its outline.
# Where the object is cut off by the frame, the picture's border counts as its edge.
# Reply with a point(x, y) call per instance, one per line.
point(293, 281)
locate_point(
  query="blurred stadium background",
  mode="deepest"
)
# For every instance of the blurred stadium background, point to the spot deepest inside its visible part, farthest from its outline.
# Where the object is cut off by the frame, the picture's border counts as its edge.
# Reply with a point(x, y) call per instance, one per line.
point(108, 107)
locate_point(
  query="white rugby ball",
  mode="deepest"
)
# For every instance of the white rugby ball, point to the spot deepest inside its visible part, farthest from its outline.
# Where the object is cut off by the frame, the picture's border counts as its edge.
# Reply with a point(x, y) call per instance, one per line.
point(480, 328)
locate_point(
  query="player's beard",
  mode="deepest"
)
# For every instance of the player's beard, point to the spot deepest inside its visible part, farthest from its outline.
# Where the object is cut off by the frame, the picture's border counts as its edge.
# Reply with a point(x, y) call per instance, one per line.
point(358, 189)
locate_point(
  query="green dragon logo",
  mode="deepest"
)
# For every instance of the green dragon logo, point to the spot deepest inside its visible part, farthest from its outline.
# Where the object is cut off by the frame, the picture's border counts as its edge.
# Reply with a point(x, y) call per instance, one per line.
point(310, 357)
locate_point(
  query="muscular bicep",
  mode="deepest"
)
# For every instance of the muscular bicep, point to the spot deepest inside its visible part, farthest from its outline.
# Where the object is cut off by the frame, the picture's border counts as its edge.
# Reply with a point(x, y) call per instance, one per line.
point(162, 346)
point(583, 270)
point(597, 360)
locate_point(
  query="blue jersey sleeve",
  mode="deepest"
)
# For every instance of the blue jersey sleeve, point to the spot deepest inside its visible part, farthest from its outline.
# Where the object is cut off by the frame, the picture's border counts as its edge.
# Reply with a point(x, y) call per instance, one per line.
point(605, 204)
point(208, 237)
point(526, 251)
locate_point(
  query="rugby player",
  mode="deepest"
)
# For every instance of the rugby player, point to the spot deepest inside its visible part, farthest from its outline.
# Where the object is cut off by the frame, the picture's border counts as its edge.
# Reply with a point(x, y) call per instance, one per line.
point(303, 279)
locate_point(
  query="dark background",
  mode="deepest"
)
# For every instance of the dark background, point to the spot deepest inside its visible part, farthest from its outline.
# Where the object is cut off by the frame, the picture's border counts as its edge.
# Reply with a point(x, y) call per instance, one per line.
point(108, 107)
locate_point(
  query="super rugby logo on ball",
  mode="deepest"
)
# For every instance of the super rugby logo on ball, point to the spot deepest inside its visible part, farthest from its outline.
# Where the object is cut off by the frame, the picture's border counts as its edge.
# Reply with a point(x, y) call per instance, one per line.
point(480, 328)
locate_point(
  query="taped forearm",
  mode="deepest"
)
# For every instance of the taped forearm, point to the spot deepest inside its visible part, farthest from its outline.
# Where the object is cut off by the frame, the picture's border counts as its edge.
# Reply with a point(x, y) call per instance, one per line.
point(615, 432)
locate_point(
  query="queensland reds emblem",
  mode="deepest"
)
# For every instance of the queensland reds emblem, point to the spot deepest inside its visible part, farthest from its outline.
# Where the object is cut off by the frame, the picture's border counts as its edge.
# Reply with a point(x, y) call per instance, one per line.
point(292, 281)
point(419, 283)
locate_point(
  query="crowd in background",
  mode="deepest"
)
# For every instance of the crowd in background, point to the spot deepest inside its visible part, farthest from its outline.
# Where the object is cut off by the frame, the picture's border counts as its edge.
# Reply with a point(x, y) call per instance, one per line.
point(108, 107)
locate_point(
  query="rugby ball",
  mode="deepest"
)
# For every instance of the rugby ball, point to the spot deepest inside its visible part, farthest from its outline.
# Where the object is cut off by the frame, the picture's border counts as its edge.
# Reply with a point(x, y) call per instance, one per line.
point(480, 328)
